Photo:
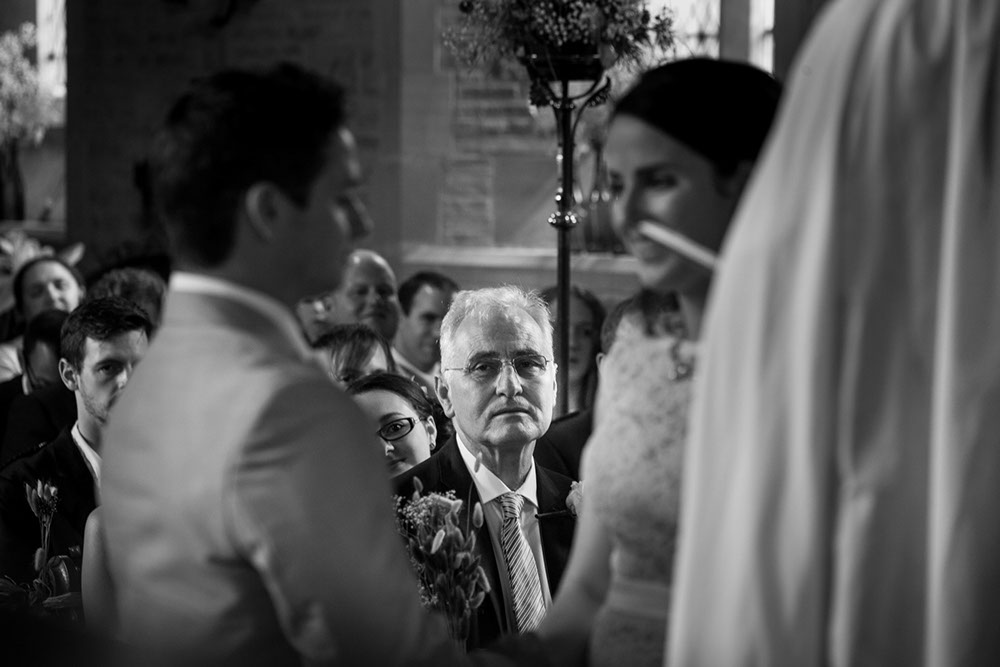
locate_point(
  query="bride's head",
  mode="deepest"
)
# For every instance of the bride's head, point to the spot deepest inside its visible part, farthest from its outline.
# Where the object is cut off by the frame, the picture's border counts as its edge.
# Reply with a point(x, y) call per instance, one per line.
point(680, 147)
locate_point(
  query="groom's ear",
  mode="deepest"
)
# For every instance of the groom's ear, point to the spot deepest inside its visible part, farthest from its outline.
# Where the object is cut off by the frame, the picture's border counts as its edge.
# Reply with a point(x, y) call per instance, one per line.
point(443, 392)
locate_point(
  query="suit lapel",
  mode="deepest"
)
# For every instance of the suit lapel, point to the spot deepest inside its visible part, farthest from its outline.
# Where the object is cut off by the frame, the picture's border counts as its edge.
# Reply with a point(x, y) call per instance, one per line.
point(455, 475)
point(556, 529)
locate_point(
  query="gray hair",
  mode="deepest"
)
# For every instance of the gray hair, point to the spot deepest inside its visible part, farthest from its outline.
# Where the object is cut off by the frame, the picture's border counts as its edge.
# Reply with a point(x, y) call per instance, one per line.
point(487, 302)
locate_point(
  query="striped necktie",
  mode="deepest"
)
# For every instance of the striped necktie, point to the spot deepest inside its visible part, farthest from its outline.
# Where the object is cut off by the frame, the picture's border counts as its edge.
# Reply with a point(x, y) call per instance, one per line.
point(529, 605)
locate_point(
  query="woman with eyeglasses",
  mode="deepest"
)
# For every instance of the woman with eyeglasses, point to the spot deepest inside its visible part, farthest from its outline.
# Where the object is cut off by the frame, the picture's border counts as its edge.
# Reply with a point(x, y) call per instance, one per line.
point(405, 417)
point(680, 147)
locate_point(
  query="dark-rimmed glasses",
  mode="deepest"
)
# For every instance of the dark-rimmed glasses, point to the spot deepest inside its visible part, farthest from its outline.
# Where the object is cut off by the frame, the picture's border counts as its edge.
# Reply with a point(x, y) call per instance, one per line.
point(487, 368)
point(396, 429)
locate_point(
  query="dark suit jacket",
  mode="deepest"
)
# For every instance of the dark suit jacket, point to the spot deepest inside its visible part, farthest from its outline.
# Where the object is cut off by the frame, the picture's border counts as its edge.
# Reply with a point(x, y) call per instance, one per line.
point(60, 463)
point(446, 471)
point(561, 447)
point(9, 390)
point(37, 418)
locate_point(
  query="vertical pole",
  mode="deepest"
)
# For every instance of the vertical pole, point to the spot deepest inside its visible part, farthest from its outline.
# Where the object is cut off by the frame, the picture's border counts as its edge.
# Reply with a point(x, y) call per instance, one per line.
point(566, 220)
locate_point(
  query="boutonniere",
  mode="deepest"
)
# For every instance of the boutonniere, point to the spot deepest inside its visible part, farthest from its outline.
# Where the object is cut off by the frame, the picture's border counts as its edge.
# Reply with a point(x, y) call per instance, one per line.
point(574, 504)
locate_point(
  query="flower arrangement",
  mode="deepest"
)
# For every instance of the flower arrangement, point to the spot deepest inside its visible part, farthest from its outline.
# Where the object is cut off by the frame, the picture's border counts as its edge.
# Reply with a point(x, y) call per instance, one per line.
point(489, 31)
point(56, 586)
point(443, 555)
point(27, 109)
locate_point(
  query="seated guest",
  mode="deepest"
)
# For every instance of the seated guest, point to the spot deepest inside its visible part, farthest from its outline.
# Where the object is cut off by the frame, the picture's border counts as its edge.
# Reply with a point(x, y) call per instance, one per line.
point(498, 385)
point(562, 445)
point(424, 299)
point(40, 360)
point(586, 315)
point(102, 340)
point(368, 294)
point(404, 415)
point(351, 351)
point(43, 283)
point(143, 287)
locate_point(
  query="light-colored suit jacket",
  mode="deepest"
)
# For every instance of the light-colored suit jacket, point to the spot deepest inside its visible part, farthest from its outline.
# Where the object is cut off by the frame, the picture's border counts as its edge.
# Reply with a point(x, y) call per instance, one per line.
point(246, 507)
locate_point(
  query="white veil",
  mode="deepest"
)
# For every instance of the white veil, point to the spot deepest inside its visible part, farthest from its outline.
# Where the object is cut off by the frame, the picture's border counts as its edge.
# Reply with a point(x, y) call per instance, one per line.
point(842, 484)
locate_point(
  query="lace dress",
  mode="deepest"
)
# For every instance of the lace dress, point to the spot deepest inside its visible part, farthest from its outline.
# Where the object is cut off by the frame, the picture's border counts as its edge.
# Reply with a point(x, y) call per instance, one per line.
point(632, 473)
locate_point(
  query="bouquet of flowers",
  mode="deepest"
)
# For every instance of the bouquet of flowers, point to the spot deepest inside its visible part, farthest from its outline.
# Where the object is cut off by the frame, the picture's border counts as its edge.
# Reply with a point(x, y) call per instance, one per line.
point(618, 30)
point(56, 588)
point(443, 554)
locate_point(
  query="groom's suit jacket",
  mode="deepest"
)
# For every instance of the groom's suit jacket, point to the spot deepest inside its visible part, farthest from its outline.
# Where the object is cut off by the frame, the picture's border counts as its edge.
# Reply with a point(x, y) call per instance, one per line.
point(244, 512)
point(446, 471)
point(61, 464)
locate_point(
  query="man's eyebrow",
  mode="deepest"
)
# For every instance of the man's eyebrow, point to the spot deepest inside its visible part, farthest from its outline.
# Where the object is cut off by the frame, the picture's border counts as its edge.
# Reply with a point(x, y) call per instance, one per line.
point(476, 356)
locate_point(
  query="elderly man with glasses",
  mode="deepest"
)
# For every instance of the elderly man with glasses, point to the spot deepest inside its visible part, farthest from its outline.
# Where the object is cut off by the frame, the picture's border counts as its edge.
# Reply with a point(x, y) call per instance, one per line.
point(498, 386)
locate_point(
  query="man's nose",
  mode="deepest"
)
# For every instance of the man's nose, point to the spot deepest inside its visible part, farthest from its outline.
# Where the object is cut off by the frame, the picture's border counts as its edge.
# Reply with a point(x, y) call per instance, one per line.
point(360, 222)
point(123, 377)
point(508, 381)
point(52, 294)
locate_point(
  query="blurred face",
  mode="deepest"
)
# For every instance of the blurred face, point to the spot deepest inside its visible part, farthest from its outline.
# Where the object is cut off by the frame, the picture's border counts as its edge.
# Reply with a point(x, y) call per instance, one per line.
point(343, 375)
point(42, 367)
point(658, 179)
point(408, 439)
point(419, 331)
point(49, 285)
point(322, 233)
point(369, 295)
point(584, 337)
point(106, 368)
point(507, 410)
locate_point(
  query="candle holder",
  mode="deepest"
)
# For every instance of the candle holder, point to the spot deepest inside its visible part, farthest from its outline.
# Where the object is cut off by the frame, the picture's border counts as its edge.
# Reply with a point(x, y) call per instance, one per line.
point(551, 78)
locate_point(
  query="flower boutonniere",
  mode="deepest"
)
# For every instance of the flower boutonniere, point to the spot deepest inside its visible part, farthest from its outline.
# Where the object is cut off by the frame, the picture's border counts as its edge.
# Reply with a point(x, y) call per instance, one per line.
point(574, 504)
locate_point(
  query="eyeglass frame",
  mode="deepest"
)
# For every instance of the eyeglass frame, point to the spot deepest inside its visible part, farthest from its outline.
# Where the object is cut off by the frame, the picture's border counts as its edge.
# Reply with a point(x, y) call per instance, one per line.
point(504, 361)
point(410, 420)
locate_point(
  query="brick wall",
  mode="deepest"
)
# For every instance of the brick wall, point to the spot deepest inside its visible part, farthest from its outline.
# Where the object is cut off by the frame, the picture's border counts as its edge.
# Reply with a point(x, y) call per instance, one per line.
point(129, 60)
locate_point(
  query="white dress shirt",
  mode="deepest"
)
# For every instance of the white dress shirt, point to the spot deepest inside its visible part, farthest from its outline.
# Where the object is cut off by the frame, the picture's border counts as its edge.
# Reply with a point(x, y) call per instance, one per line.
point(490, 488)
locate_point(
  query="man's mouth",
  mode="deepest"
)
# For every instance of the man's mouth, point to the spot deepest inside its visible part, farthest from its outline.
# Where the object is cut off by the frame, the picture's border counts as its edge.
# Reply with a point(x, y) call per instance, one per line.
point(511, 411)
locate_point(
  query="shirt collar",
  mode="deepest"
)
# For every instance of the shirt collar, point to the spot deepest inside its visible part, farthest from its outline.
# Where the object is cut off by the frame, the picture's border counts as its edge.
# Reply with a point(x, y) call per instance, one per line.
point(266, 306)
point(92, 458)
point(489, 485)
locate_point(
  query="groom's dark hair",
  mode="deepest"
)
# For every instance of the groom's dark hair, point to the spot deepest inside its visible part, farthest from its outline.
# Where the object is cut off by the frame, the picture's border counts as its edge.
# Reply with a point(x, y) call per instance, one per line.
point(229, 131)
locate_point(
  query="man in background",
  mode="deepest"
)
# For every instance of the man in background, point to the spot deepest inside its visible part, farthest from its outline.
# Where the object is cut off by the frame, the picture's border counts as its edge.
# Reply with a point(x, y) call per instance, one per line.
point(102, 341)
point(424, 298)
point(368, 294)
point(498, 386)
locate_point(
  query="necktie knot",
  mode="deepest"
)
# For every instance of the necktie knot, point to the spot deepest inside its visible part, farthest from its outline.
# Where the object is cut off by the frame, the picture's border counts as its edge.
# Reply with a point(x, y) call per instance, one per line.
point(511, 504)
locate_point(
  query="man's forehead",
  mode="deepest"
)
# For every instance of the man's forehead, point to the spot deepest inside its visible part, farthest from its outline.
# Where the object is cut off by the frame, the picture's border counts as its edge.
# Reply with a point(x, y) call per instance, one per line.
point(369, 272)
point(114, 345)
point(430, 297)
point(500, 332)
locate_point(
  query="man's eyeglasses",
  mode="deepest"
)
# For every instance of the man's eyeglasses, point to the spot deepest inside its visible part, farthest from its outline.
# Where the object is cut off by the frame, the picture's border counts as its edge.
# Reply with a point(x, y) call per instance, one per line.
point(396, 429)
point(483, 369)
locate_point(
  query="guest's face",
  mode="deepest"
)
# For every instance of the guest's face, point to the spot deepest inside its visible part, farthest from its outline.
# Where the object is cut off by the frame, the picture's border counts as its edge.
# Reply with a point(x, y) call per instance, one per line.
point(508, 410)
point(42, 366)
point(658, 179)
point(106, 368)
point(408, 439)
point(420, 330)
point(49, 285)
point(343, 375)
point(583, 337)
point(369, 295)
point(320, 235)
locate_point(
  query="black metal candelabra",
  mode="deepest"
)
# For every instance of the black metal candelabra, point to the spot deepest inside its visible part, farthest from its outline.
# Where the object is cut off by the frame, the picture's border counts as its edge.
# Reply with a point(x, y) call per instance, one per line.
point(551, 76)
